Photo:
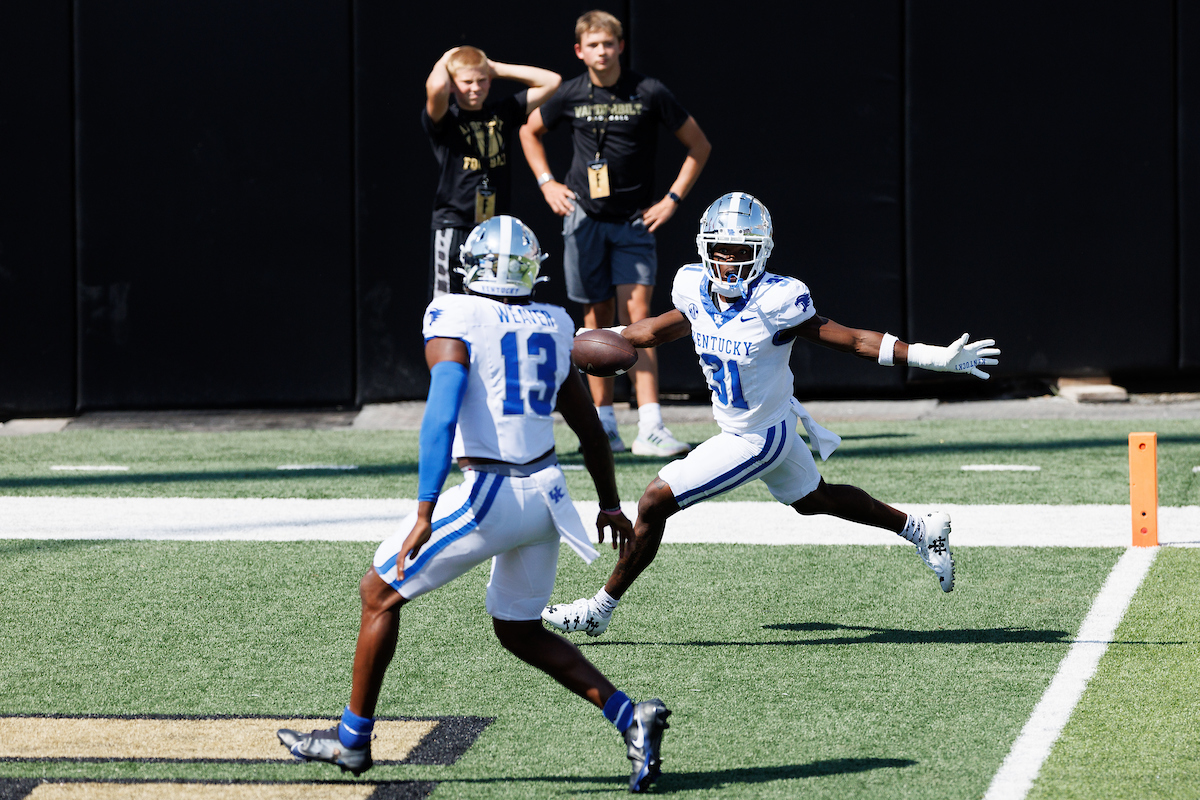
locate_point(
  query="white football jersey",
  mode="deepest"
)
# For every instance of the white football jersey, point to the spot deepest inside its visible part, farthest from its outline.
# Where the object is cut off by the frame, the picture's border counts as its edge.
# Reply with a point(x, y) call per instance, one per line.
point(740, 352)
point(520, 355)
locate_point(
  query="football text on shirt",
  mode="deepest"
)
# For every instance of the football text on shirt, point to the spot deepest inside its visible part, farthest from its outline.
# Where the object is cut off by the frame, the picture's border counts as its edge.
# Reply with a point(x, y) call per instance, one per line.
point(484, 137)
point(615, 112)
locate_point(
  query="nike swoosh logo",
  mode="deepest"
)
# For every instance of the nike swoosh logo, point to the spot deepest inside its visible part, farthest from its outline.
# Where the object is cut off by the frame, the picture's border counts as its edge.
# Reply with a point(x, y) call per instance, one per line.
point(746, 319)
point(640, 739)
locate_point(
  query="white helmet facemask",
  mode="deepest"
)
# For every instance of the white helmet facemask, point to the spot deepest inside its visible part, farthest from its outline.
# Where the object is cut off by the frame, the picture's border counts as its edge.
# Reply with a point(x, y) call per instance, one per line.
point(501, 257)
point(735, 218)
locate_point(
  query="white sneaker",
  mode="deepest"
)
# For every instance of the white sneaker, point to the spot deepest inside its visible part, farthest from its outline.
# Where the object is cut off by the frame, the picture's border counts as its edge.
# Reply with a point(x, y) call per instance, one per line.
point(614, 441)
point(659, 442)
point(934, 549)
point(582, 615)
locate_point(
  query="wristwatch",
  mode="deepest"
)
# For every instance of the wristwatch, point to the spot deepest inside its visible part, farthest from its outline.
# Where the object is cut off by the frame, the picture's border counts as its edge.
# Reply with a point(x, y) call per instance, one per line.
point(544, 178)
point(675, 197)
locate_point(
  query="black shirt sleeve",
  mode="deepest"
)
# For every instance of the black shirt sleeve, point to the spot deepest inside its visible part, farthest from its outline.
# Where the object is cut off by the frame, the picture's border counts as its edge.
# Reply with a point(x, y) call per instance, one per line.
point(670, 111)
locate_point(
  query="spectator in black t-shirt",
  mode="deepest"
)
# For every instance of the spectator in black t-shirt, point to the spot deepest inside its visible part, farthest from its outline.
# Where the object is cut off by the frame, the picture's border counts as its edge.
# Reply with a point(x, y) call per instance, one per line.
point(469, 135)
point(610, 207)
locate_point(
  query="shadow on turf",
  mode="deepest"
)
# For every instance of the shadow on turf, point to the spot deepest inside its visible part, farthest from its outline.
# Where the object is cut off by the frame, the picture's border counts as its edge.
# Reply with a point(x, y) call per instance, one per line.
point(881, 636)
point(902, 636)
point(688, 781)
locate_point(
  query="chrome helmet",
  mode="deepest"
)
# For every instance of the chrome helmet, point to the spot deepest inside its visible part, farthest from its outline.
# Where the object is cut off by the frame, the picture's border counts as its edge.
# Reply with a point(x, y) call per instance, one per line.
point(735, 218)
point(501, 258)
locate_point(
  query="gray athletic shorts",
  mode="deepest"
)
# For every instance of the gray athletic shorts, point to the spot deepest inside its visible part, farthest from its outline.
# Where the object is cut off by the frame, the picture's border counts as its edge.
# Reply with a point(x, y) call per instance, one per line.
point(600, 255)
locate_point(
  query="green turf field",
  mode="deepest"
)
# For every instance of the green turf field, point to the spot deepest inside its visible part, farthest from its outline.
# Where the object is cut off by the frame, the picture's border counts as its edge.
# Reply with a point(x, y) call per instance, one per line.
point(1081, 462)
point(798, 671)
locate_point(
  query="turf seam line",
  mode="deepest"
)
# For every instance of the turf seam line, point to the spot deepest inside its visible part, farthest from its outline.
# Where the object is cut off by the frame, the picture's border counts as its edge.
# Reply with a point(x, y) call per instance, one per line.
point(1029, 752)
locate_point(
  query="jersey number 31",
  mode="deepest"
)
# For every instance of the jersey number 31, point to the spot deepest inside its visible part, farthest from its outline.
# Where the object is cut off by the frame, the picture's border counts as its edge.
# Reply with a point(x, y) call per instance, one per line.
point(718, 373)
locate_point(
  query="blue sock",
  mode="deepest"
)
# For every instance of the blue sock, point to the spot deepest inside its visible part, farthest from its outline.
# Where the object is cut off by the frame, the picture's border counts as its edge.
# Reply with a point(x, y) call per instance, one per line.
point(355, 731)
point(618, 710)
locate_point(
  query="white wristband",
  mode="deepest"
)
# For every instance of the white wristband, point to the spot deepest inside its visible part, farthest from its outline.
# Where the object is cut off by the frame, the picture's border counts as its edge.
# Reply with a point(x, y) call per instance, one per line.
point(887, 350)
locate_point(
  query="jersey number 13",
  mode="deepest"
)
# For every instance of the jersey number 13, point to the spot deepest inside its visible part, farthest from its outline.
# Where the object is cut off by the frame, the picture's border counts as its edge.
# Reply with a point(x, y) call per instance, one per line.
point(540, 349)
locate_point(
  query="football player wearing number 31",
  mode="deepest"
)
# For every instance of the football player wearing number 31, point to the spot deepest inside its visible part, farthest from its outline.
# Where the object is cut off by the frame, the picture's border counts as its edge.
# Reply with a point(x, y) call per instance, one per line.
point(743, 321)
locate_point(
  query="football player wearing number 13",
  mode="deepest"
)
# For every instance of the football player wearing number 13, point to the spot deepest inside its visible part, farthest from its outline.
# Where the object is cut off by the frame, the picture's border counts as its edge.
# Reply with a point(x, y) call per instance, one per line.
point(499, 366)
point(743, 321)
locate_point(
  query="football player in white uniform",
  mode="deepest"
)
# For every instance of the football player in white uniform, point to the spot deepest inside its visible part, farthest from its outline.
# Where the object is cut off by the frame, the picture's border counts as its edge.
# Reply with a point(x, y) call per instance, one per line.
point(743, 321)
point(499, 366)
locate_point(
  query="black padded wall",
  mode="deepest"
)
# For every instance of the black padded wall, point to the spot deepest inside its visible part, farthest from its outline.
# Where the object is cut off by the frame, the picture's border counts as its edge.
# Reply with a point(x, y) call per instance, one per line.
point(1188, 38)
point(396, 172)
point(216, 248)
point(37, 227)
point(806, 115)
point(1041, 180)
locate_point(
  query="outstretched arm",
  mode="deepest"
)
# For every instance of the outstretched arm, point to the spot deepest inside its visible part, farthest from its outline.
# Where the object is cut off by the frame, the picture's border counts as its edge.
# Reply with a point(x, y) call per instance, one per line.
point(960, 356)
point(575, 404)
point(542, 83)
point(653, 331)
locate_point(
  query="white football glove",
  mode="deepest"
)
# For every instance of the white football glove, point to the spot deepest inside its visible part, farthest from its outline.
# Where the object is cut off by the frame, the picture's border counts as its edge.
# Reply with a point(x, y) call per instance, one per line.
point(617, 329)
point(958, 357)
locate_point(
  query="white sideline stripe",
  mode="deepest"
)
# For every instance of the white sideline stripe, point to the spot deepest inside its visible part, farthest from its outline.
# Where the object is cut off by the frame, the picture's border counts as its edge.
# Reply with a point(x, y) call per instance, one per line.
point(278, 519)
point(1031, 749)
point(1195, 469)
point(317, 466)
point(89, 468)
point(999, 468)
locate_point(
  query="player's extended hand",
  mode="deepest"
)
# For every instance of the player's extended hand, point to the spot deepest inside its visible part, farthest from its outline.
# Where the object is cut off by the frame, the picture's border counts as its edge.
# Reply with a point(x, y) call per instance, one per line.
point(657, 214)
point(413, 543)
point(957, 357)
point(558, 197)
point(622, 530)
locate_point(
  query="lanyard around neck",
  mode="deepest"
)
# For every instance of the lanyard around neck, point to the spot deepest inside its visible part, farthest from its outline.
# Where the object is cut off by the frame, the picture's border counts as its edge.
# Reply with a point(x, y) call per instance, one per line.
point(598, 132)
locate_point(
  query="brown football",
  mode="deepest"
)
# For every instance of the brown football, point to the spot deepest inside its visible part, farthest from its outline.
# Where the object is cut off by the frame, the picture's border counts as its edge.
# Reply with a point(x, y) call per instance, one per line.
point(603, 353)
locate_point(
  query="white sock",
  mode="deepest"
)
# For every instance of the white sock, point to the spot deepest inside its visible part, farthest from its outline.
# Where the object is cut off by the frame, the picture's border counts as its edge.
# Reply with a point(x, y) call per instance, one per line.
point(649, 417)
point(914, 529)
point(608, 418)
point(606, 602)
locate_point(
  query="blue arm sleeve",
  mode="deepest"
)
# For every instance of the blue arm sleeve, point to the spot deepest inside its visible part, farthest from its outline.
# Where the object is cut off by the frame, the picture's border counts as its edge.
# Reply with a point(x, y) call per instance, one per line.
point(447, 385)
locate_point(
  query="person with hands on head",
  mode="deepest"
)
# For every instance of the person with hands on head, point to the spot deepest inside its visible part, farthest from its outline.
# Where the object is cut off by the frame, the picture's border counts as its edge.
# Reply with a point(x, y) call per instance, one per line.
point(610, 209)
point(470, 135)
point(743, 321)
point(500, 365)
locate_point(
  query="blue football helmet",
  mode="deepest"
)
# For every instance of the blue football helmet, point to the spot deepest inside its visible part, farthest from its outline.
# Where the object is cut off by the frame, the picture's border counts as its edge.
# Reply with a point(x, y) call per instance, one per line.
point(501, 258)
point(735, 218)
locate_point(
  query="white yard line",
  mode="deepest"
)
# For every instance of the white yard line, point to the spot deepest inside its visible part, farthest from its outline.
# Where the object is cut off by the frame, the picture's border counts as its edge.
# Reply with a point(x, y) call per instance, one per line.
point(1041, 731)
point(746, 523)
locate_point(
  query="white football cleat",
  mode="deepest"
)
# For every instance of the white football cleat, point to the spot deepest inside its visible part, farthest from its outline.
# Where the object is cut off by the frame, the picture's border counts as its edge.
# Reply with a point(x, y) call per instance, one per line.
point(659, 442)
point(582, 615)
point(934, 548)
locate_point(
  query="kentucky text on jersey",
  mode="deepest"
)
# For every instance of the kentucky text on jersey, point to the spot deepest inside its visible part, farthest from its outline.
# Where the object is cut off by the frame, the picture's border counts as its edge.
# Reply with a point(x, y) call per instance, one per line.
point(528, 316)
point(717, 344)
